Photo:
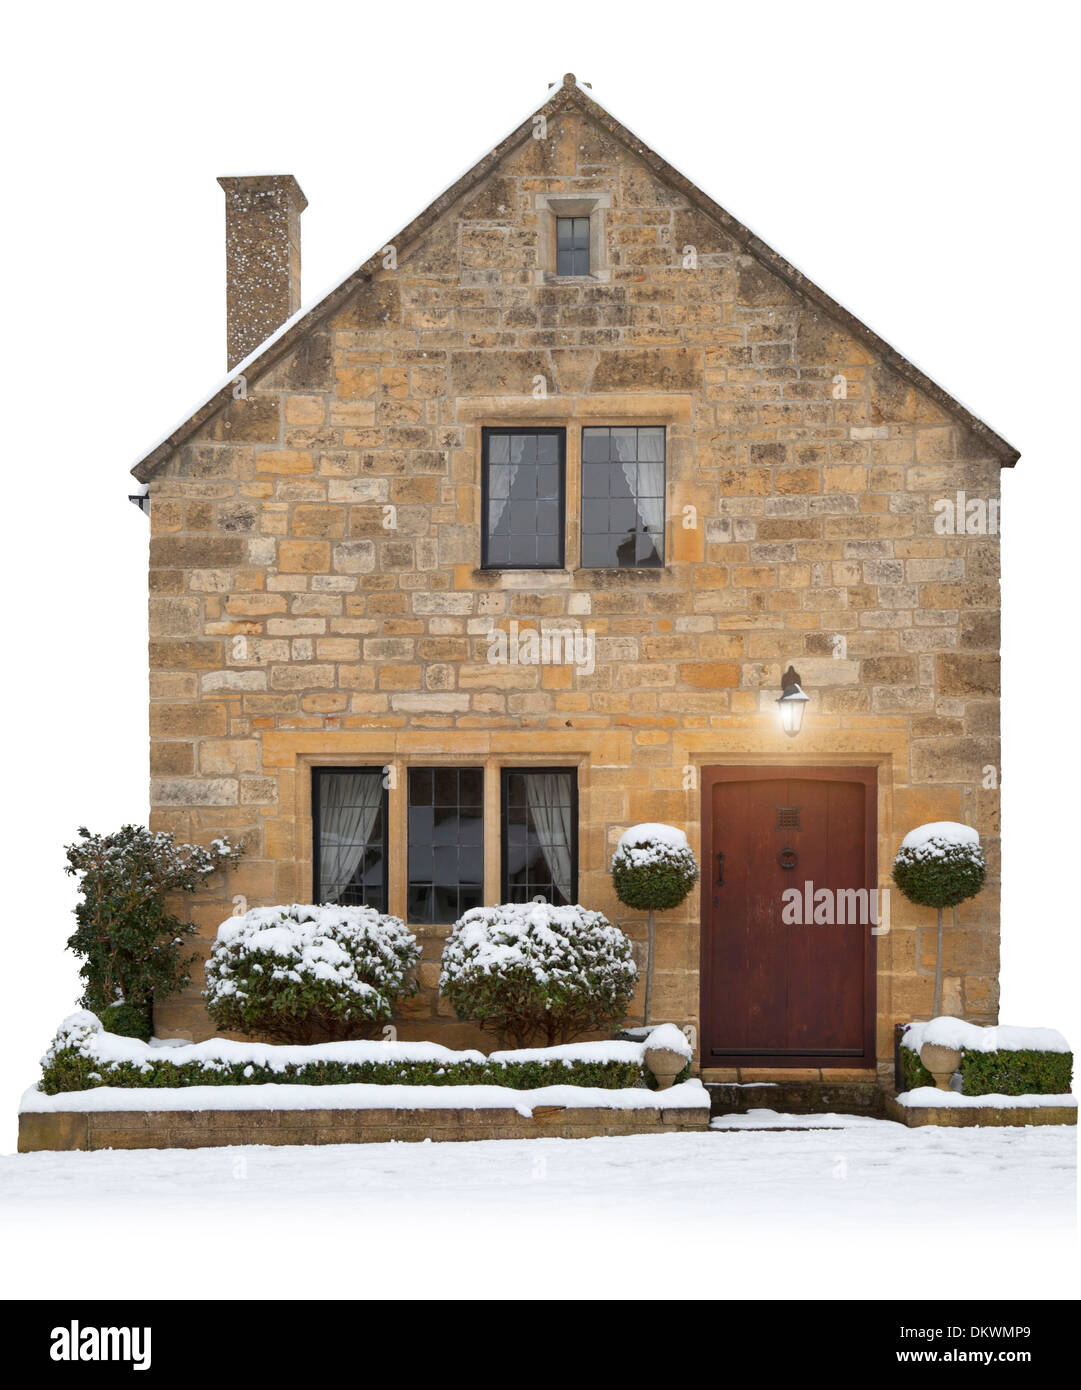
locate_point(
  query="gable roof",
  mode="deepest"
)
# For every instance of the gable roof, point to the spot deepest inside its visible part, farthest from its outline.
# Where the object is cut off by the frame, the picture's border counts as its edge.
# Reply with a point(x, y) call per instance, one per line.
point(569, 96)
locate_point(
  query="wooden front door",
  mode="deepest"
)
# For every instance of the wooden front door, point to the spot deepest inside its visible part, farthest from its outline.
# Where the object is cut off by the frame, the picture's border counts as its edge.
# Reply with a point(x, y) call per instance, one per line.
point(777, 991)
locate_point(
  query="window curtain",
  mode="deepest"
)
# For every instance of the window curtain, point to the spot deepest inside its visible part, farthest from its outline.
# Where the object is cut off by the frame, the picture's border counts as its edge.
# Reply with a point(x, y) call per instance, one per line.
point(641, 456)
point(501, 480)
point(349, 804)
point(551, 805)
point(504, 464)
point(650, 492)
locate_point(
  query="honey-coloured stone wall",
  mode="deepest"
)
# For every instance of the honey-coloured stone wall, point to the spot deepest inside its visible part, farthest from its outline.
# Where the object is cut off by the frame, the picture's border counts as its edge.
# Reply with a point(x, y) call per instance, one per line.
point(316, 595)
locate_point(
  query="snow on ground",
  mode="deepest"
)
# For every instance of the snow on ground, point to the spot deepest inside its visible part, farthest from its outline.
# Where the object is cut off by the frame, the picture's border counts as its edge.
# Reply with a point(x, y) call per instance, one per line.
point(809, 1213)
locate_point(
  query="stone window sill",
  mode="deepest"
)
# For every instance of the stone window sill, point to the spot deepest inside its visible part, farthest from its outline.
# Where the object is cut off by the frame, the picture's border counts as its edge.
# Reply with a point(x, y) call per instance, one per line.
point(600, 278)
point(635, 574)
point(493, 574)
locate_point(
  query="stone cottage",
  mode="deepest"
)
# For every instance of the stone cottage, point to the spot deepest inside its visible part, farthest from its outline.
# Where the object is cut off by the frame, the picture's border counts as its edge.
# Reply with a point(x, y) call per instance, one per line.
point(507, 544)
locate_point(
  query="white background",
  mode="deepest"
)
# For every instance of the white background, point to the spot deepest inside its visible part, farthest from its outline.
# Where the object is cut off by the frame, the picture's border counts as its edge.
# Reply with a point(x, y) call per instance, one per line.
point(917, 161)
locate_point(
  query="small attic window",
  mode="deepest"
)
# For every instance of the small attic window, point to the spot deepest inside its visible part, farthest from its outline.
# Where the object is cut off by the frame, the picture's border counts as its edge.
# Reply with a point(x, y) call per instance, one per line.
point(572, 245)
point(572, 236)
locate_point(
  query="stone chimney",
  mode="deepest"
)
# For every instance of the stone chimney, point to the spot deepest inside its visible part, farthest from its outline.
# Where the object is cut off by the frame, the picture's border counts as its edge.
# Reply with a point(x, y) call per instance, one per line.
point(262, 257)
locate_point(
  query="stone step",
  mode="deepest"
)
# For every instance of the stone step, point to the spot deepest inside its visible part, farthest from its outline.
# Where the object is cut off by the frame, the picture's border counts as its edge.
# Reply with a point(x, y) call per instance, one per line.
point(774, 1121)
point(797, 1097)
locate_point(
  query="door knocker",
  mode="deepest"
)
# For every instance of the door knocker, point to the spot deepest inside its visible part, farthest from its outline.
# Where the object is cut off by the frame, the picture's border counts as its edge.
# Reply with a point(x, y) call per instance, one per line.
point(788, 858)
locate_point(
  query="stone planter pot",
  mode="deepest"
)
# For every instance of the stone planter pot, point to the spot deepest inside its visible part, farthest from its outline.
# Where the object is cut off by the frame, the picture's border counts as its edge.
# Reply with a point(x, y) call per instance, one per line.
point(941, 1062)
point(664, 1065)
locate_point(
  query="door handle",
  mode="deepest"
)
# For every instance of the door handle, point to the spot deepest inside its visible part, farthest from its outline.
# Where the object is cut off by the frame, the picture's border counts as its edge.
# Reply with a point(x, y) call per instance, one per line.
point(720, 871)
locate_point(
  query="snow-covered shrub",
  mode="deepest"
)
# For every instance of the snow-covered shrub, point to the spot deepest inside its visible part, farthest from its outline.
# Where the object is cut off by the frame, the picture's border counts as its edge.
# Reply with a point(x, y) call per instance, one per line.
point(126, 1021)
point(309, 974)
point(940, 864)
point(534, 971)
point(654, 867)
point(70, 1062)
point(131, 944)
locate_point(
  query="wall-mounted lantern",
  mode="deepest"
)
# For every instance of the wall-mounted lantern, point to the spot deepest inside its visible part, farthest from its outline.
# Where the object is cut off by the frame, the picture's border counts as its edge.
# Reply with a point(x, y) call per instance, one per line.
point(792, 702)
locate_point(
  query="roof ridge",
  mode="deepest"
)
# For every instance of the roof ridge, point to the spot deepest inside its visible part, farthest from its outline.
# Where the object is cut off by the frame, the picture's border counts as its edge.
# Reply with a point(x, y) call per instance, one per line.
point(568, 94)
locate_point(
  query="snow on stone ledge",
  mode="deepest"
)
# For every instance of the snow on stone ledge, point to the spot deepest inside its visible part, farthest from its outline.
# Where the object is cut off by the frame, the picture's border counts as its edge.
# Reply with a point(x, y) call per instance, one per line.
point(932, 1096)
point(688, 1095)
point(955, 1032)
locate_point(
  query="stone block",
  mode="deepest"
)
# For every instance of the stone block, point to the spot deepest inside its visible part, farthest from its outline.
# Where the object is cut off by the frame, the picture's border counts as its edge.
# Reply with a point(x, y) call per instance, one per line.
point(57, 1130)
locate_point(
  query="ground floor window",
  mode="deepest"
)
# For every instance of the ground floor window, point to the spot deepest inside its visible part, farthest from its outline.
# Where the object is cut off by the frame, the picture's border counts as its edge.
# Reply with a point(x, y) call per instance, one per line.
point(446, 842)
point(410, 840)
point(350, 823)
point(540, 835)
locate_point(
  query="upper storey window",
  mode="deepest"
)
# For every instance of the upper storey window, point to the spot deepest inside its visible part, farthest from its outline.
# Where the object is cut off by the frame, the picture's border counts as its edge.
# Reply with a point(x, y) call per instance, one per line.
point(623, 497)
point(522, 490)
point(572, 245)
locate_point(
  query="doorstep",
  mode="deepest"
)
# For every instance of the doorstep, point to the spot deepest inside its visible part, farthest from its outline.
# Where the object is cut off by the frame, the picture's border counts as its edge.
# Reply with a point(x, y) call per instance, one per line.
point(763, 1121)
point(808, 1091)
point(711, 1075)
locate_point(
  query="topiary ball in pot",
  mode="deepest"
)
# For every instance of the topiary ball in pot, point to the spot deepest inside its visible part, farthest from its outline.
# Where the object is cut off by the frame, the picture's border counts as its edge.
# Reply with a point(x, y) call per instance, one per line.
point(309, 974)
point(940, 865)
point(653, 867)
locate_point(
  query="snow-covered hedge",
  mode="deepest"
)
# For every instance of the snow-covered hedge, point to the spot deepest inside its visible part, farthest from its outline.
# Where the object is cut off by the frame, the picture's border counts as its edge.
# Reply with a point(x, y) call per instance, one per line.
point(536, 972)
point(653, 867)
point(940, 864)
point(309, 974)
point(1000, 1060)
point(84, 1056)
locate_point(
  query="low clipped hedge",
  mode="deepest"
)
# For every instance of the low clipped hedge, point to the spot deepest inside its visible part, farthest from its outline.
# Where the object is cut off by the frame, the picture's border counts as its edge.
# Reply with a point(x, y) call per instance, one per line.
point(1026, 1072)
point(1005, 1073)
point(915, 1073)
point(67, 1069)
